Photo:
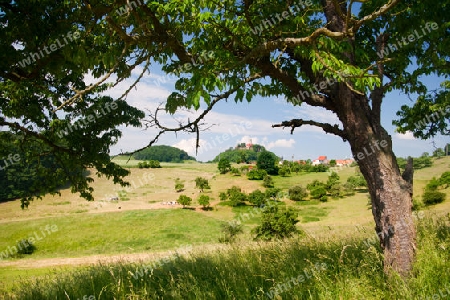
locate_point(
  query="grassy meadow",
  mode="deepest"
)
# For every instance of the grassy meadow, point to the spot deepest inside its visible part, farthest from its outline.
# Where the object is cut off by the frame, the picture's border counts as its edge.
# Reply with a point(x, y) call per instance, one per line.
point(102, 248)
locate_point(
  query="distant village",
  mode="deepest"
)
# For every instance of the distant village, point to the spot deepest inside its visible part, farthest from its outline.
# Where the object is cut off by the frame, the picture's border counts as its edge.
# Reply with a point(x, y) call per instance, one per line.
point(321, 160)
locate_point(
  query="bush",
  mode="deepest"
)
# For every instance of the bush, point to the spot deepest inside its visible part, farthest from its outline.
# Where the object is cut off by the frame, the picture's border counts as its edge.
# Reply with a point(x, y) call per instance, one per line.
point(149, 164)
point(432, 185)
point(235, 196)
point(24, 246)
point(256, 174)
point(268, 181)
point(324, 199)
point(273, 193)
point(276, 223)
point(184, 200)
point(315, 184)
point(336, 190)
point(229, 231)
point(201, 183)
point(179, 186)
point(298, 193)
point(284, 171)
point(257, 198)
point(203, 200)
point(433, 197)
point(235, 171)
point(223, 196)
point(224, 165)
point(318, 193)
point(445, 179)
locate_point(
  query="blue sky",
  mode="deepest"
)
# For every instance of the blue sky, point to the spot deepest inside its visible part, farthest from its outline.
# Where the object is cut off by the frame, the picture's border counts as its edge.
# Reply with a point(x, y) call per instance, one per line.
point(233, 123)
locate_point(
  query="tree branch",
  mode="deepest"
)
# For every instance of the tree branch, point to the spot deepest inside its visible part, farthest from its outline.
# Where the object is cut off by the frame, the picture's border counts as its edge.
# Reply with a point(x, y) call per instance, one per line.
point(295, 123)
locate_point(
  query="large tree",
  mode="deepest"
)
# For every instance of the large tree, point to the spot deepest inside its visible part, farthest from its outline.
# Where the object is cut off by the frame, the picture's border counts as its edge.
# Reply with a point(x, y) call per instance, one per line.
point(343, 56)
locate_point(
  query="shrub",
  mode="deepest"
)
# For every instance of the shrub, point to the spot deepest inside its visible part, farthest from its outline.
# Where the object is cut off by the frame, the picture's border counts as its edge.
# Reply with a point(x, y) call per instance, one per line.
point(357, 181)
point(433, 197)
point(24, 246)
point(319, 192)
point(432, 185)
point(235, 171)
point(315, 184)
point(229, 231)
point(445, 179)
point(268, 181)
point(298, 193)
point(273, 193)
point(256, 174)
point(203, 200)
point(284, 171)
point(276, 223)
point(417, 204)
point(257, 198)
point(323, 199)
point(184, 200)
point(235, 196)
point(336, 190)
point(223, 196)
point(224, 165)
point(179, 186)
point(201, 183)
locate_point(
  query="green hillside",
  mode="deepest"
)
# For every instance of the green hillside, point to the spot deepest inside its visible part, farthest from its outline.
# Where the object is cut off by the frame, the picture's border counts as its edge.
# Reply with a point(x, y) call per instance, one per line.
point(242, 153)
point(163, 153)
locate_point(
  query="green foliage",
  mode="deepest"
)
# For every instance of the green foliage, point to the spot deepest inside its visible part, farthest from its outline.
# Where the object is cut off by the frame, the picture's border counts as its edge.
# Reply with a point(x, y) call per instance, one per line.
point(184, 200)
point(445, 179)
point(298, 193)
point(267, 161)
point(332, 163)
point(432, 185)
point(318, 192)
point(163, 153)
point(276, 223)
point(256, 174)
point(223, 196)
point(268, 181)
point(323, 198)
point(229, 231)
point(149, 164)
point(224, 165)
point(203, 200)
point(439, 152)
point(202, 183)
point(284, 171)
point(356, 181)
point(241, 154)
point(273, 193)
point(333, 179)
point(257, 198)
point(236, 196)
point(24, 246)
point(315, 184)
point(424, 161)
point(431, 197)
point(179, 186)
point(235, 171)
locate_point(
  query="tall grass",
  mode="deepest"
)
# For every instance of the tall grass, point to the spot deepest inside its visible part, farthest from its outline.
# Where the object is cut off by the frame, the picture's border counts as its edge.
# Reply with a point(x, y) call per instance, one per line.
point(300, 268)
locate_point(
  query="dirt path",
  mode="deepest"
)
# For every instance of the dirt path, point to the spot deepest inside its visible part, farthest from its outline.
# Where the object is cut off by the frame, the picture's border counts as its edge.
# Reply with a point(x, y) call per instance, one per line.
point(95, 259)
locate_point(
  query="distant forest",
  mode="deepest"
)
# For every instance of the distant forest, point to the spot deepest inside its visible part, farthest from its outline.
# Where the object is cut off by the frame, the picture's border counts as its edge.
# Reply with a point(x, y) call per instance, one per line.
point(241, 153)
point(163, 154)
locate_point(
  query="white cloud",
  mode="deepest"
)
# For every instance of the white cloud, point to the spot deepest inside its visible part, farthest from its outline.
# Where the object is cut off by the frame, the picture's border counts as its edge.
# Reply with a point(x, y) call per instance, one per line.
point(407, 136)
point(188, 145)
point(281, 143)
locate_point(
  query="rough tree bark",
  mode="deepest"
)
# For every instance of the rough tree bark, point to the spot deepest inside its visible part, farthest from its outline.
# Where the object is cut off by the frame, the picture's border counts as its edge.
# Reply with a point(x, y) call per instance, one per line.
point(391, 194)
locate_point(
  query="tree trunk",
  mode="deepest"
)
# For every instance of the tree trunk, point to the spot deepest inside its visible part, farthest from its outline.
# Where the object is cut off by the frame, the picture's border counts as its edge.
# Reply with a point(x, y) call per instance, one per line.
point(390, 194)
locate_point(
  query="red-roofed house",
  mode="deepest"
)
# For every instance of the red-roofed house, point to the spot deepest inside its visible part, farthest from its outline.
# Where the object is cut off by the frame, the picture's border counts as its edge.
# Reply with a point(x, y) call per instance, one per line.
point(321, 160)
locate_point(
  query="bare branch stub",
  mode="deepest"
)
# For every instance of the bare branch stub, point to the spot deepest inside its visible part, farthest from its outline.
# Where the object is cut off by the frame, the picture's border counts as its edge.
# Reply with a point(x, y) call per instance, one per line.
point(328, 128)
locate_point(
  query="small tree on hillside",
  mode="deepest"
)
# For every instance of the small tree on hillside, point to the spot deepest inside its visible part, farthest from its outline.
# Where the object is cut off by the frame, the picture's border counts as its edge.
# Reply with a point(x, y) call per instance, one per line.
point(179, 186)
point(204, 201)
point(298, 193)
point(257, 198)
point(268, 181)
point(276, 223)
point(184, 200)
point(284, 171)
point(224, 165)
point(201, 183)
point(266, 161)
